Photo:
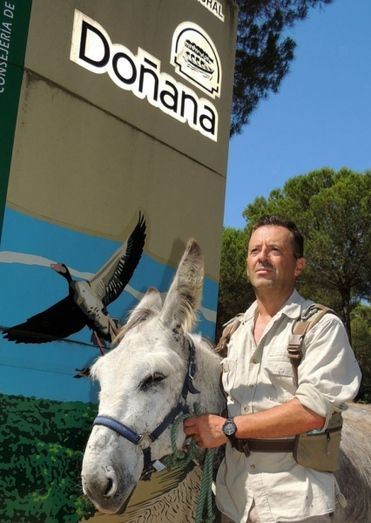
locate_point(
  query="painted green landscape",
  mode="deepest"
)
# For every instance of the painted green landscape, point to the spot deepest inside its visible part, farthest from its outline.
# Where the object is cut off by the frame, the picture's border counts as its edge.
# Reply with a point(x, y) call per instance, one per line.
point(41, 446)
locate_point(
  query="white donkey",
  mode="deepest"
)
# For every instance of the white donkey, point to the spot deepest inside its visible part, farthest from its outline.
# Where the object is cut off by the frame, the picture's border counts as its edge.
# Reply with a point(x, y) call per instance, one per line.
point(158, 371)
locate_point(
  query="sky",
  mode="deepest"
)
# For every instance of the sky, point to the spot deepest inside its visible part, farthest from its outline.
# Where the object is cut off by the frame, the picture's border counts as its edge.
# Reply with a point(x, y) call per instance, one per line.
point(321, 116)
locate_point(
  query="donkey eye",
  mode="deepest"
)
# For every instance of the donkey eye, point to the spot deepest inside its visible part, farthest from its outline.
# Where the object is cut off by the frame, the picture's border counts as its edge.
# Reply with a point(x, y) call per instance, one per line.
point(151, 380)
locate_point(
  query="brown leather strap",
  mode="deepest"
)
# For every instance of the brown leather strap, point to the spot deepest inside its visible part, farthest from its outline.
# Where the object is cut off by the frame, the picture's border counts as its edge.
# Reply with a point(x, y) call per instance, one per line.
point(229, 328)
point(264, 445)
point(301, 326)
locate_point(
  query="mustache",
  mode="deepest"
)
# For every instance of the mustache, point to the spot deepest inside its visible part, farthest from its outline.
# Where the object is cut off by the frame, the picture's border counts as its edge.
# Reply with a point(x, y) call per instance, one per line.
point(263, 265)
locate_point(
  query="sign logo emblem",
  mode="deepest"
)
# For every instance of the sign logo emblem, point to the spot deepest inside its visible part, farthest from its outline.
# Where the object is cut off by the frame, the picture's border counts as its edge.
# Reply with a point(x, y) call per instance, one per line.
point(195, 58)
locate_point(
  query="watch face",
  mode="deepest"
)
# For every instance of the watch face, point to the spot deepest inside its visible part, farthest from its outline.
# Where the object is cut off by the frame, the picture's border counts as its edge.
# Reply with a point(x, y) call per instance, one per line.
point(229, 428)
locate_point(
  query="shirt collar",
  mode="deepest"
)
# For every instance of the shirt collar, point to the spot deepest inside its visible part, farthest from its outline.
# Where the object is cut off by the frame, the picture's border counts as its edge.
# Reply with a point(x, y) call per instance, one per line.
point(292, 308)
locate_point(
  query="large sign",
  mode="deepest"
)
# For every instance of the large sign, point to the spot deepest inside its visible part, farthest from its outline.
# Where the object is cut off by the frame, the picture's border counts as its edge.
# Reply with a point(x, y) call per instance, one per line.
point(114, 142)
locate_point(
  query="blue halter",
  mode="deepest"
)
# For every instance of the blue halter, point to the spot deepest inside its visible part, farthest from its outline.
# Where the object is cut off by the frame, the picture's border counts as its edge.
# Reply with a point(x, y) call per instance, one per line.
point(180, 408)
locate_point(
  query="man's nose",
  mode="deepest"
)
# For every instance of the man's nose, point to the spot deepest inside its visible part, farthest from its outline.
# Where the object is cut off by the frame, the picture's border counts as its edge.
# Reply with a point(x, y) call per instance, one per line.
point(263, 254)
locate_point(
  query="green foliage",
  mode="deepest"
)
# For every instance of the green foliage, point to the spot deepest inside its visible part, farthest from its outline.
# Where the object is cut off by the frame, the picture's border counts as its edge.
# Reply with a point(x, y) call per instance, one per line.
point(333, 210)
point(263, 54)
point(235, 293)
point(41, 452)
point(361, 329)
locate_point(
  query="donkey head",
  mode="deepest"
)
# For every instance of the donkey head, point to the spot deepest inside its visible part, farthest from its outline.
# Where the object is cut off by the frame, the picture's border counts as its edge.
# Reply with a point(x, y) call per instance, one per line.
point(141, 382)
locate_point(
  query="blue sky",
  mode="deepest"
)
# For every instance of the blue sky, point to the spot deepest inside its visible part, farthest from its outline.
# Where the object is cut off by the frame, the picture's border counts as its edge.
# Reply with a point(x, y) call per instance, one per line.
point(321, 116)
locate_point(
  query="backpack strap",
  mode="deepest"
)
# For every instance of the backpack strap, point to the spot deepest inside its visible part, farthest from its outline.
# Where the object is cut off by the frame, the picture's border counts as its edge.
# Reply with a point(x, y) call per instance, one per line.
point(301, 326)
point(229, 328)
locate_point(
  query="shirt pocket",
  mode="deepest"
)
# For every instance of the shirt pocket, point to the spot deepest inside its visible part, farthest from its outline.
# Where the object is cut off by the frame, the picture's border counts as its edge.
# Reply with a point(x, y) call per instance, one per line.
point(229, 367)
point(280, 374)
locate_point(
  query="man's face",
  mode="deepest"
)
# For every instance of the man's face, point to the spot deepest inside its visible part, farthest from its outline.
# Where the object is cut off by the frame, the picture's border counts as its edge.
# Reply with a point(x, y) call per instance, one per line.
point(271, 262)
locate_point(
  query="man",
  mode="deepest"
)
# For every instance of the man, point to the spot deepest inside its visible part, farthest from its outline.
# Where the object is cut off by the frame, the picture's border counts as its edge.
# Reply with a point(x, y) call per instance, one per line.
point(262, 398)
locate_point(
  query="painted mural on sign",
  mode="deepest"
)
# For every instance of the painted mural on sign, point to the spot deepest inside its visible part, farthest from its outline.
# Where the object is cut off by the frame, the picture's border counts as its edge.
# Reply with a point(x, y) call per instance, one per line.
point(87, 300)
point(109, 151)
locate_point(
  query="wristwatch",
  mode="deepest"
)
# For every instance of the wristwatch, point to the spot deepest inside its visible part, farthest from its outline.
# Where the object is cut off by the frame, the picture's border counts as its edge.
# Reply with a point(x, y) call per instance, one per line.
point(230, 428)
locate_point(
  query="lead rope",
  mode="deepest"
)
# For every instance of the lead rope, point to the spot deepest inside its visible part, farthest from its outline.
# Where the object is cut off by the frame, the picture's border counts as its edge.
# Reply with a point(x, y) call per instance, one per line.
point(180, 457)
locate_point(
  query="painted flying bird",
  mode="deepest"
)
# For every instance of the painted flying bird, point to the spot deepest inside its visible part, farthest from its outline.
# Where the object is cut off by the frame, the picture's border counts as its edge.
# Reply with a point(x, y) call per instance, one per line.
point(87, 301)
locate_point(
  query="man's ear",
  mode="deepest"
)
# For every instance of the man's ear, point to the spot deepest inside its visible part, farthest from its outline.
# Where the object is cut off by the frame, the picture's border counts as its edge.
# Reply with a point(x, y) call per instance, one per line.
point(300, 266)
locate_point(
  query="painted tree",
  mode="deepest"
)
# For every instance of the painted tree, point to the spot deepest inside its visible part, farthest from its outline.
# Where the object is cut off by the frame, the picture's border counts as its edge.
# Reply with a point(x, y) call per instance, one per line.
point(263, 52)
point(41, 450)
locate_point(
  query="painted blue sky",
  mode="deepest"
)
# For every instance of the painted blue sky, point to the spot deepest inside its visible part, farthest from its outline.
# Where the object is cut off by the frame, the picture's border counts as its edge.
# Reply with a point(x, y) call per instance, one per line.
point(30, 286)
point(321, 115)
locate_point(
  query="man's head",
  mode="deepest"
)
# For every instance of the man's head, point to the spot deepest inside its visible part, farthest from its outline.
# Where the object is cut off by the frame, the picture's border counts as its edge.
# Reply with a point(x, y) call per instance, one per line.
point(297, 237)
point(275, 255)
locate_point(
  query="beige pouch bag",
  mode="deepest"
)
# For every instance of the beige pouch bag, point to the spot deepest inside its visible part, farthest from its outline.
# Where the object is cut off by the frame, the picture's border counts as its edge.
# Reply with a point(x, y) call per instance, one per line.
point(320, 450)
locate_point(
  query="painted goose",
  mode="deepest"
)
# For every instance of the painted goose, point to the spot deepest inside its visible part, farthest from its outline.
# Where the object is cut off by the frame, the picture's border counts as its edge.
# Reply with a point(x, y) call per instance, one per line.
point(87, 301)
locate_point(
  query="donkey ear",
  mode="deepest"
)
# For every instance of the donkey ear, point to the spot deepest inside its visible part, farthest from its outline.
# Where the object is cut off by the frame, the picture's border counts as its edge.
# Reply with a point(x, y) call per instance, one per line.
point(149, 305)
point(184, 295)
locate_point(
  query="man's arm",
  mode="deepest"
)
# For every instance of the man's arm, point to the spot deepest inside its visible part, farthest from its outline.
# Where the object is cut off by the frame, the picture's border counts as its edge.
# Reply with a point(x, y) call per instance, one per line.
point(282, 421)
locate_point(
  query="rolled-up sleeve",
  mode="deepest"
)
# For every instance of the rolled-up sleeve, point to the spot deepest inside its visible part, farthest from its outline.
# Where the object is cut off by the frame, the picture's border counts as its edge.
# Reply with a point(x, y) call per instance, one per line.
point(329, 374)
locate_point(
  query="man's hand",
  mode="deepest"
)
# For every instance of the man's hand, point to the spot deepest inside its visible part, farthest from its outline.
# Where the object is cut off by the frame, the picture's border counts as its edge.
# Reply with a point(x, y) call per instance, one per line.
point(206, 430)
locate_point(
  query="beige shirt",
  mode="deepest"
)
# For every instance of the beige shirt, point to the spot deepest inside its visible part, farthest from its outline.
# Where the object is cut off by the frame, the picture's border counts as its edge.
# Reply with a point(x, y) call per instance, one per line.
point(259, 376)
